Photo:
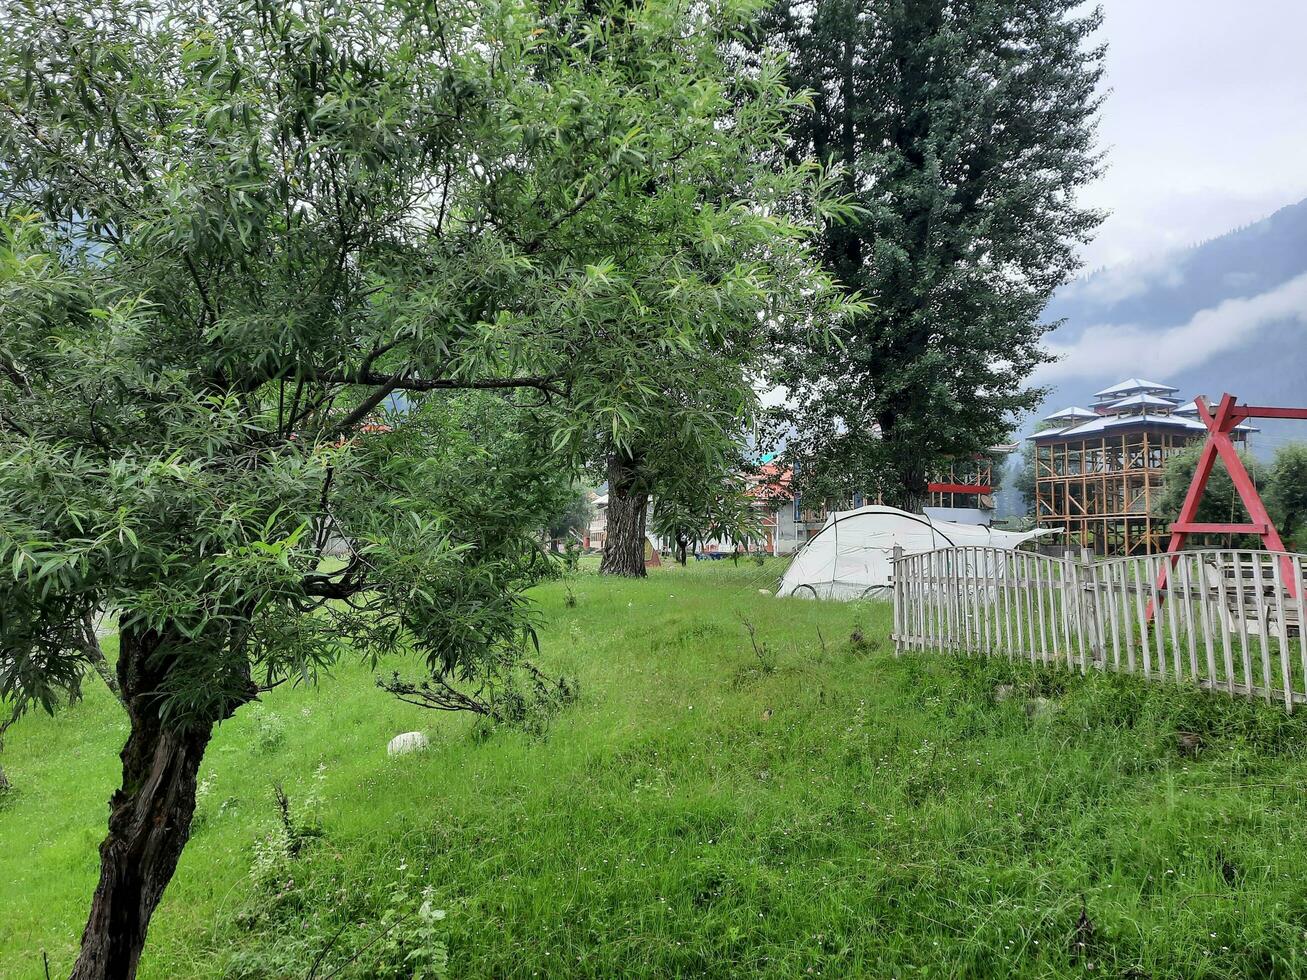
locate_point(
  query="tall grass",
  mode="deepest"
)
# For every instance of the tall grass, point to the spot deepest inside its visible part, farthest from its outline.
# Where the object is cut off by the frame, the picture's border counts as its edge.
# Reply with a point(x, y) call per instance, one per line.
point(845, 813)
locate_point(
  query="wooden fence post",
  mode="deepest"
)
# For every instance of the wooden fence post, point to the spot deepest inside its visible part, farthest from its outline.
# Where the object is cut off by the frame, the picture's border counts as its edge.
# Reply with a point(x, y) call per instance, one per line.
point(896, 584)
point(1089, 593)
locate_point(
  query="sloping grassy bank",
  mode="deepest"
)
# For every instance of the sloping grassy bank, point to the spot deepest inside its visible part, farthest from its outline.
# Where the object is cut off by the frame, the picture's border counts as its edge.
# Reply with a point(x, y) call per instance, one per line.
point(823, 809)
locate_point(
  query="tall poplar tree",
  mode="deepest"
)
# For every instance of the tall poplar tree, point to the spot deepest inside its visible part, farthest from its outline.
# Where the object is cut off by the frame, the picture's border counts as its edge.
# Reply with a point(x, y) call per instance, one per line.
point(966, 128)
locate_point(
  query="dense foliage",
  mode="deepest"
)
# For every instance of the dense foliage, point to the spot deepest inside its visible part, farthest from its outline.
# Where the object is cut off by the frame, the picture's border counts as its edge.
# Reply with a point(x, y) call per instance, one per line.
point(1286, 497)
point(966, 128)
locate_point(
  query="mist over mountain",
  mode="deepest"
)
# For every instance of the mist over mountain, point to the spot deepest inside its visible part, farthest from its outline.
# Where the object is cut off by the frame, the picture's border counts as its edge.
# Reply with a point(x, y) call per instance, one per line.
point(1229, 314)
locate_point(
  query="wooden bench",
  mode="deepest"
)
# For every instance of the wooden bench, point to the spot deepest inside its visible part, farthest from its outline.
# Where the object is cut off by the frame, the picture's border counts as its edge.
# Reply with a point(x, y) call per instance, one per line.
point(1250, 593)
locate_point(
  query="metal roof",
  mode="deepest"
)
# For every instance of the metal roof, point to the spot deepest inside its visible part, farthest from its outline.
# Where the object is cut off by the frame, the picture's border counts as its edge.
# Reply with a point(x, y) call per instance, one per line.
point(1143, 401)
point(1132, 385)
point(1074, 412)
point(1107, 422)
point(1050, 432)
point(1190, 410)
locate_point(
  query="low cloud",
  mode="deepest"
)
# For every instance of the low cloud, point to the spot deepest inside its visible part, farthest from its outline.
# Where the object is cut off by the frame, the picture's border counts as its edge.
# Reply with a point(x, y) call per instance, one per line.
point(1122, 282)
point(1112, 349)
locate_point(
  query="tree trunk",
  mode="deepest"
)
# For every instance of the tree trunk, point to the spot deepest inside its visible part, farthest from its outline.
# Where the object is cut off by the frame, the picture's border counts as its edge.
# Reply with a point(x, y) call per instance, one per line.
point(4, 727)
point(913, 495)
point(909, 488)
point(628, 499)
point(149, 817)
point(95, 655)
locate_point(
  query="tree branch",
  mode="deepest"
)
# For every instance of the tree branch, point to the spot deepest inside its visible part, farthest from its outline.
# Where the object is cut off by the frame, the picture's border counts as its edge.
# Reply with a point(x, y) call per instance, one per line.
point(386, 385)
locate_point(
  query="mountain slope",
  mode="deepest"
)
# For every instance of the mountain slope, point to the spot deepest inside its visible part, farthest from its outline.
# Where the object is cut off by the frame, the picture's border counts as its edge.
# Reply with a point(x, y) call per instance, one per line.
point(1171, 289)
point(1228, 315)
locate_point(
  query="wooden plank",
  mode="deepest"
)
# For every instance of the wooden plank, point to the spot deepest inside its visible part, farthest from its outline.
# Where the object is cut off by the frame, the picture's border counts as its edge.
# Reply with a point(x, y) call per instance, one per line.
point(924, 612)
point(1282, 635)
point(1190, 527)
point(959, 568)
point(919, 602)
point(1043, 617)
point(990, 598)
point(1126, 630)
point(1026, 562)
point(1020, 649)
point(1065, 585)
point(896, 585)
point(950, 594)
point(1141, 615)
point(1187, 616)
point(936, 631)
point(1112, 596)
point(1301, 600)
point(1095, 614)
point(1005, 610)
point(1223, 608)
point(1205, 616)
point(1159, 642)
point(1173, 616)
point(1263, 631)
point(1241, 619)
point(960, 573)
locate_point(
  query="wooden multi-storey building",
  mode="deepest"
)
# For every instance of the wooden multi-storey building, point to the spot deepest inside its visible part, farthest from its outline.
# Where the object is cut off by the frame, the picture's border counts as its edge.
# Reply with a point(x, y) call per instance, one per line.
point(1098, 469)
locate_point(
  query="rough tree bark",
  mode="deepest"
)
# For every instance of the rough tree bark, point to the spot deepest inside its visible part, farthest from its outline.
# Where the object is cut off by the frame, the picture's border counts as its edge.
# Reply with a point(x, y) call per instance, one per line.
point(907, 487)
point(4, 727)
point(149, 816)
point(628, 499)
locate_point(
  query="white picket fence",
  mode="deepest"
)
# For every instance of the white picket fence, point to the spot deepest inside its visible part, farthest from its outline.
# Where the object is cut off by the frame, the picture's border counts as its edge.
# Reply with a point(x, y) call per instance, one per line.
point(1224, 620)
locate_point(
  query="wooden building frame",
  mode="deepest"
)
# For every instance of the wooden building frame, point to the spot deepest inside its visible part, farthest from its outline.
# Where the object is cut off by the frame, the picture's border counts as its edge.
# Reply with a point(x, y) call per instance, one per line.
point(1099, 490)
point(965, 484)
point(1099, 471)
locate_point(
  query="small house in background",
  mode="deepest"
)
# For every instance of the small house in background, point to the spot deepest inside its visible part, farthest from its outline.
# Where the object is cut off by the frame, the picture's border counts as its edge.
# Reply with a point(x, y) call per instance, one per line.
point(594, 536)
point(964, 493)
point(1097, 469)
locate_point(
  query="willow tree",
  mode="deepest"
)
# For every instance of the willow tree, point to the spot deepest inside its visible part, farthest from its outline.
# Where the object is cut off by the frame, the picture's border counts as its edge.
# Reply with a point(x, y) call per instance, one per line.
point(235, 231)
point(707, 260)
point(965, 128)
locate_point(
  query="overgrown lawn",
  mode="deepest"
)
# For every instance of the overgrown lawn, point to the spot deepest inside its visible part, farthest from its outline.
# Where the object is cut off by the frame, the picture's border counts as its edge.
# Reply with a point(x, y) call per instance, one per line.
point(817, 807)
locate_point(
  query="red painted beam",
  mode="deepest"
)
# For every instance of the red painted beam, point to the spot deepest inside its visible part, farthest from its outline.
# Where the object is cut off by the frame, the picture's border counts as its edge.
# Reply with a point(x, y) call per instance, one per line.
point(1270, 412)
point(958, 488)
point(1191, 528)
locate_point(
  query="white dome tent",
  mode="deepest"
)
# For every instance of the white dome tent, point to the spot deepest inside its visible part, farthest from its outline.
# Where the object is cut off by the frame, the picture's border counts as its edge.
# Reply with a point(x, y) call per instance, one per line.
point(851, 556)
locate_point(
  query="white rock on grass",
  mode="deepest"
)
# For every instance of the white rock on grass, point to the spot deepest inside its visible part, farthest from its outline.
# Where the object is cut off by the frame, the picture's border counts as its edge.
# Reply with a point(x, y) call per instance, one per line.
point(406, 743)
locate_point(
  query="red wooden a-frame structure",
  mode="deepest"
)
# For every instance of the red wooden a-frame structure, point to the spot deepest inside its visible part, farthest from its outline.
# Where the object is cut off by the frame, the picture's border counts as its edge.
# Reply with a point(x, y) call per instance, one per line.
point(1220, 423)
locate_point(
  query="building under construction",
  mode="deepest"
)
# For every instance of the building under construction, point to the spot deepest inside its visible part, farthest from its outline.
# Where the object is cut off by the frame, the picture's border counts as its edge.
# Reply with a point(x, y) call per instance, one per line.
point(1098, 469)
point(964, 491)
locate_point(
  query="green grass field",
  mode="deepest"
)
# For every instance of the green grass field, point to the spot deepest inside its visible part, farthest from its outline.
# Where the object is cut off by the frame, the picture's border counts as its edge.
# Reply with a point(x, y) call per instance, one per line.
point(844, 813)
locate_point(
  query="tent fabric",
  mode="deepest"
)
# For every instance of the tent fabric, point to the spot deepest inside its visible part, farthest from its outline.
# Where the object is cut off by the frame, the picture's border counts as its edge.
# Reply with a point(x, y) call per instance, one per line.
point(852, 555)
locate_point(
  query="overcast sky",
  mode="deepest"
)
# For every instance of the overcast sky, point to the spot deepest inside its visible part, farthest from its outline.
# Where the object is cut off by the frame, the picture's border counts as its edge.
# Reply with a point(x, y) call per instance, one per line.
point(1205, 125)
